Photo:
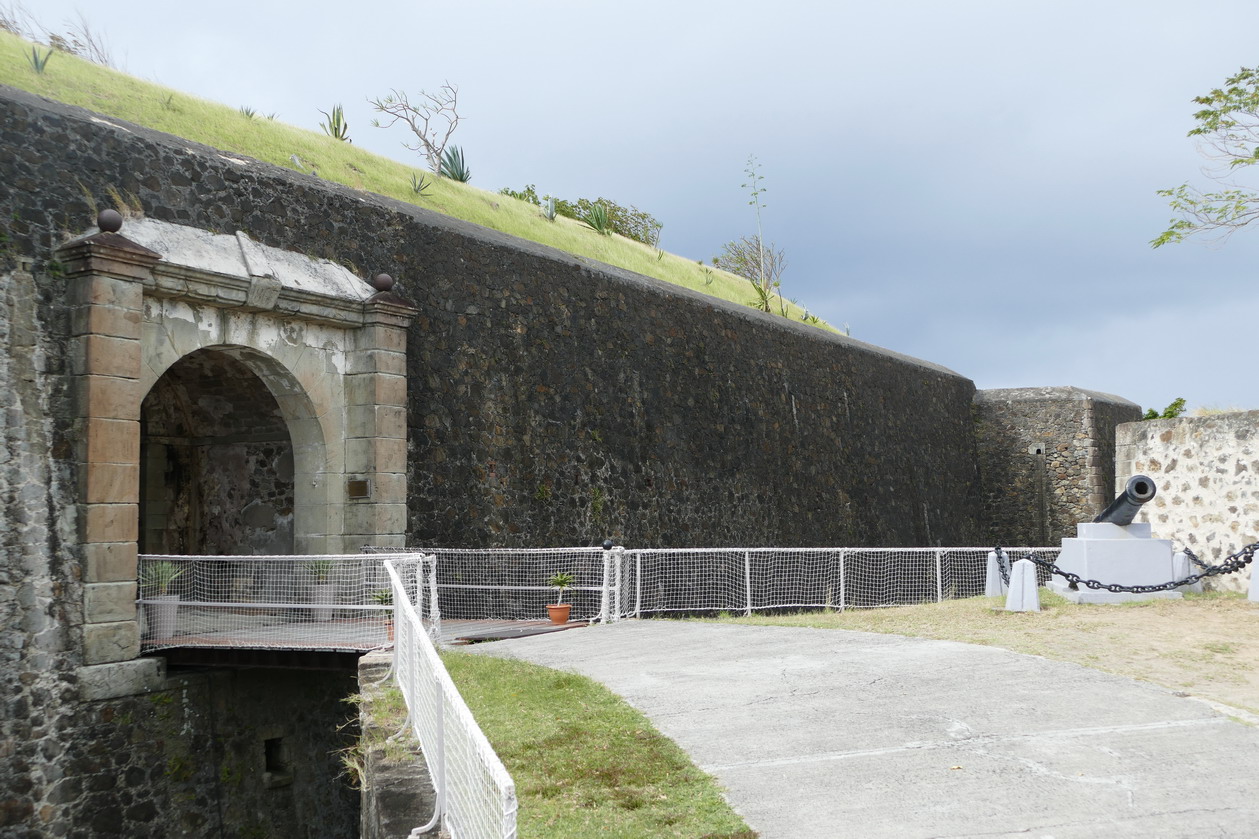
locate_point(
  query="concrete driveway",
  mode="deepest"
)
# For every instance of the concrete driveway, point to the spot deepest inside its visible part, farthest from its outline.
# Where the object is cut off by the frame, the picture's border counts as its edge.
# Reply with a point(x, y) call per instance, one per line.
point(825, 733)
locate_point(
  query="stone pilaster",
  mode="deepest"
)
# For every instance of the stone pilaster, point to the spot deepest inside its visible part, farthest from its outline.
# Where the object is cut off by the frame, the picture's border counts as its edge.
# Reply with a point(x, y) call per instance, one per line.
point(376, 424)
point(106, 274)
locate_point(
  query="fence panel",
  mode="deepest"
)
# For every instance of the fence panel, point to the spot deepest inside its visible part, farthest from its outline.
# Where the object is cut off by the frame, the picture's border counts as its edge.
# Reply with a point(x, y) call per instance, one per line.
point(476, 797)
point(326, 602)
point(511, 584)
point(745, 580)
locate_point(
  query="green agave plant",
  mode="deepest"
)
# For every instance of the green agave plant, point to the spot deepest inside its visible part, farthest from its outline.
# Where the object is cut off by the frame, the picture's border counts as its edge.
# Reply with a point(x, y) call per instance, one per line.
point(38, 62)
point(454, 167)
point(336, 127)
point(419, 185)
point(159, 575)
point(596, 218)
point(321, 568)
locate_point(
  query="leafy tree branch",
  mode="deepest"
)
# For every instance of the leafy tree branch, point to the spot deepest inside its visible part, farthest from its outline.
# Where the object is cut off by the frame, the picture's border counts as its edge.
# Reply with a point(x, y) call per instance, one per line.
point(1228, 134)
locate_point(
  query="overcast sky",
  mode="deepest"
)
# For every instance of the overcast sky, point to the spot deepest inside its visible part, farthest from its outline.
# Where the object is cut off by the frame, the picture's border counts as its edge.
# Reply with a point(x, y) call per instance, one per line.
point(971, 183)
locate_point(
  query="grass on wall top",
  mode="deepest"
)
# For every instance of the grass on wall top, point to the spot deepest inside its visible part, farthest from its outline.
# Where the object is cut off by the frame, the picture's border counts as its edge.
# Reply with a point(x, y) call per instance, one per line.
point(75, 81)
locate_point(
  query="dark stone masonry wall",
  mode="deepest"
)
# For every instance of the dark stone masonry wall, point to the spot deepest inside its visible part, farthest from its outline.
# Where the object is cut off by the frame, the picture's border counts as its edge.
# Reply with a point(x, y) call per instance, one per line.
point(552, 401)
point(1046, 460)
point(555, 401)
point(192, 760)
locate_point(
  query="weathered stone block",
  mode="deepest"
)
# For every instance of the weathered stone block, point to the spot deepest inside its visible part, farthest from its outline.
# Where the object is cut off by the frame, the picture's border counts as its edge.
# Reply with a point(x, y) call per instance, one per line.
point(377, 361)
point(377, 389)
point(381, 338)
point(106, 291)
point(106, 602)
point(104, 355)
point(122, 678)
point(117, 321)
point(372, 454)
point(389, 487)
point(110, 562)
point(108, 397)
point(376, 421)
point(109, 522)
point(111, 441)
point(374, 518)
point(110, 483)
point(106, 642)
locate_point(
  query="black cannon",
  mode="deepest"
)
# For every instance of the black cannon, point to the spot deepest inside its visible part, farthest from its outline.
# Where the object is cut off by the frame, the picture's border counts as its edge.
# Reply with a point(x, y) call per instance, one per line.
point(1123, 509)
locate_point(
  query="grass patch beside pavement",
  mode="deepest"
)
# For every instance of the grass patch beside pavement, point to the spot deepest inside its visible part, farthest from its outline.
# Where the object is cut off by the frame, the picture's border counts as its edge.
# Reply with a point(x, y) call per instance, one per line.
point(1206, 645)
point(586, 763)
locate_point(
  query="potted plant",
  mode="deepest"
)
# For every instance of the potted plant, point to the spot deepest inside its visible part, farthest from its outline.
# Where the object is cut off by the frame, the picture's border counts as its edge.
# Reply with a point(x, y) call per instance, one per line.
point(323, 592)
point(157, 577)
point(384, 597)
point(558, 611)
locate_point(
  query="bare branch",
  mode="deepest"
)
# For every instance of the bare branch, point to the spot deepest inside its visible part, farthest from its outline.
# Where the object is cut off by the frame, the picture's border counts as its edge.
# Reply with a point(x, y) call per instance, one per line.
point(432, 118)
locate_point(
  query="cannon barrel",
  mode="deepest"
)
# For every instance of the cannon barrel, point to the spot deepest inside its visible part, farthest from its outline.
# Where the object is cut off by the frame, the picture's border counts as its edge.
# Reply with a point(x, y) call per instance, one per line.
point(1123, 509)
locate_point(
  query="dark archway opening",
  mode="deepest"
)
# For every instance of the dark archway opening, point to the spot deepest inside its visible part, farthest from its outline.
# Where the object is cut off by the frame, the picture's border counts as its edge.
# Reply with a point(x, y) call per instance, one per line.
point(216, 460)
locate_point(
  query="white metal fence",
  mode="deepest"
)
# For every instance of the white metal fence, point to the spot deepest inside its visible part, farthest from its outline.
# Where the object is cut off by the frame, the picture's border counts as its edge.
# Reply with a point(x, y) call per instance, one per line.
point(747, 580)
point(476, 797)
point(328, 602)
point(510, 584)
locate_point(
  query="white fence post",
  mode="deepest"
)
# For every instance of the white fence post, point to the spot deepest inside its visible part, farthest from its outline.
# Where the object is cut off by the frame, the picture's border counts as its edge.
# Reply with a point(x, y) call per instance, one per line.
point(603, 595)
point(843, 583)
point(618, 554)
point(747, 581)
point(939, 577)
point(435, 616)
point(638, 583)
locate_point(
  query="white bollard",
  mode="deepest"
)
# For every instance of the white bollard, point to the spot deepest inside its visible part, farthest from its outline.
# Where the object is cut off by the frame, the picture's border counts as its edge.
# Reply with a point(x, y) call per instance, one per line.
point(994, 585)
point(1181, 568)
point(1254, 583)
point(1024, 594)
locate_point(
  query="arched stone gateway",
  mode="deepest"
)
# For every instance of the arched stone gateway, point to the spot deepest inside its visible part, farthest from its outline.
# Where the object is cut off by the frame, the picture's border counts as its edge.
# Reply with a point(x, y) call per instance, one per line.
point(217, 465)
point(249, 399)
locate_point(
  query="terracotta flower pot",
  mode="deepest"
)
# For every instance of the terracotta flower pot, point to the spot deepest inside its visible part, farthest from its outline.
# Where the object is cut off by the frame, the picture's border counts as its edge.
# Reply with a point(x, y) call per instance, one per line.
point(558, 612)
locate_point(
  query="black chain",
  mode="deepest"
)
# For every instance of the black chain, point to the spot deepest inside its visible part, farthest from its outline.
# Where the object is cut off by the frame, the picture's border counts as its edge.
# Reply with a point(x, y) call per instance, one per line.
point(1232, 563)
point(1003, 566)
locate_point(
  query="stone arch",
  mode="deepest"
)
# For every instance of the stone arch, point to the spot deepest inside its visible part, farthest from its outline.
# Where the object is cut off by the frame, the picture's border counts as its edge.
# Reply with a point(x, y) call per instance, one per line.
point(327, 348)
point(218, 412)
point(312, 429)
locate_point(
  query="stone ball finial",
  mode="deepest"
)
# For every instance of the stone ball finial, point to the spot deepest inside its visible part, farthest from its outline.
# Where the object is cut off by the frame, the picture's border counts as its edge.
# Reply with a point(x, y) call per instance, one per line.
point(382, 282)
point(109, 221)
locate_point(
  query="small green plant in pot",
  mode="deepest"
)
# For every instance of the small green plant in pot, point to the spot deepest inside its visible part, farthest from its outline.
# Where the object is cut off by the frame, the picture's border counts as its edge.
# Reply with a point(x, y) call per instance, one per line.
point(157, 576)
point(323, 590)
point(558, 611)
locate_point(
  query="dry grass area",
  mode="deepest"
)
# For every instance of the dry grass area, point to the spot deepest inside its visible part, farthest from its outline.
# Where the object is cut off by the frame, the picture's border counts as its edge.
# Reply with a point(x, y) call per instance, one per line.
point(1204, 645)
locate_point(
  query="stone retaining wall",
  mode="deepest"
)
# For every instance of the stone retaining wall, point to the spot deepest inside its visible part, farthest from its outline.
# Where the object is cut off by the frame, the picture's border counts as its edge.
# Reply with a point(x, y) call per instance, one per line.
point(1207, 473)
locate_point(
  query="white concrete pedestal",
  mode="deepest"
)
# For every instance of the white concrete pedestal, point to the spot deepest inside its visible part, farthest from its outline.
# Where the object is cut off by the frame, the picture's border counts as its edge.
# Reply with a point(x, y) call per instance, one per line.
point(1113, 553)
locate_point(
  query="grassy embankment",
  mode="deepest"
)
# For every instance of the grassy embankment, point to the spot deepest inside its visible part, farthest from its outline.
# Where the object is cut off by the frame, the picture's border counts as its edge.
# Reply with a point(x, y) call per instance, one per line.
point(78, 82)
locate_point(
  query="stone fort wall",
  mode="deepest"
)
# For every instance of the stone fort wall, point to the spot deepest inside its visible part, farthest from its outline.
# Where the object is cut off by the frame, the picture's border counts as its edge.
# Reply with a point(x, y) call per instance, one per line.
point(1046, 459)
point(1207, 473)
point(551, 401)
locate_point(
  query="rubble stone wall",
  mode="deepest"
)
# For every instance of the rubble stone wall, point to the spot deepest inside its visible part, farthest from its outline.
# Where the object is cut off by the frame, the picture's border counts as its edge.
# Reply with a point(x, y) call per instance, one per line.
point(1207, 473)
